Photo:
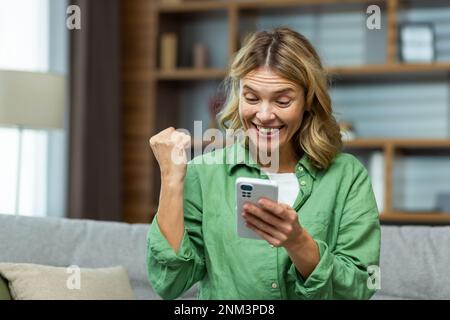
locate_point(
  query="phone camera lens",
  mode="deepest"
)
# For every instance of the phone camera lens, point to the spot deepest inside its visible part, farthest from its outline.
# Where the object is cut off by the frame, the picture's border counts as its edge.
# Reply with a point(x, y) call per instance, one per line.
point(246, 187)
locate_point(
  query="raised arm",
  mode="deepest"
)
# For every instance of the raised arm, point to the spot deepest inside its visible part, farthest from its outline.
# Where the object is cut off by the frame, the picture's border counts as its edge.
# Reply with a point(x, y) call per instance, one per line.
point(175, 259)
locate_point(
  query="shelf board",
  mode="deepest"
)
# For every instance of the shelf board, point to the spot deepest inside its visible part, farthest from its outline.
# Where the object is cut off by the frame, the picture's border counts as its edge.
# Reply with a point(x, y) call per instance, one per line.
point(191, 6)
point(198, 6)
point(261, 4)
point(416, 218)
point(422, 143)
point(389, 69)
point(214, 73)
point(191, 74)
point(365, 143)
point(398, 143)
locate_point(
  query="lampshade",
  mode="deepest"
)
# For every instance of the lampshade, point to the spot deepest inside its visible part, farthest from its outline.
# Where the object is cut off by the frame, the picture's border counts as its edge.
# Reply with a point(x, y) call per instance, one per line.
point(32, 100)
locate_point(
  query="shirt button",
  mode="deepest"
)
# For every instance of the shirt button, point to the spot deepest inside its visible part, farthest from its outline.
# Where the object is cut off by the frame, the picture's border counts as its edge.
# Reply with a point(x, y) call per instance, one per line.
point(272, 246)
point(301, 169)
point(303, 183)
point(274, 285)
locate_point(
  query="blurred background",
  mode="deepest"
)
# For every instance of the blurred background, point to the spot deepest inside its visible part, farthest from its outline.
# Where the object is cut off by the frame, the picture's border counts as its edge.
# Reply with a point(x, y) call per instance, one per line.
point(78, 103)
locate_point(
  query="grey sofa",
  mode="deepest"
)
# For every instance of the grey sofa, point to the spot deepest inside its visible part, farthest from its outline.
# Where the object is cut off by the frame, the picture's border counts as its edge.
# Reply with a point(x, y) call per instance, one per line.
point(415, 261)
point(88, 244)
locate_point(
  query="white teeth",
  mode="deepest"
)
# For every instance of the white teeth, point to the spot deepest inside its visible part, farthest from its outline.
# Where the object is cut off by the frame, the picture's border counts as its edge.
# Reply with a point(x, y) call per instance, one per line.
point(267, 130)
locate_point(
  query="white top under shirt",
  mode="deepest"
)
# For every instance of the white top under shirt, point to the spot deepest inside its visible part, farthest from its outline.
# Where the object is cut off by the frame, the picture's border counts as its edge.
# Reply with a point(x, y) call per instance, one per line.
point(288, 187)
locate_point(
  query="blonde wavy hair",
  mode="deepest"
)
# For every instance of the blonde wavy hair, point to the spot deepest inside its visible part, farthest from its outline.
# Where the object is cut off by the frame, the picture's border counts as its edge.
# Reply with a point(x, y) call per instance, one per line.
point(291, 56)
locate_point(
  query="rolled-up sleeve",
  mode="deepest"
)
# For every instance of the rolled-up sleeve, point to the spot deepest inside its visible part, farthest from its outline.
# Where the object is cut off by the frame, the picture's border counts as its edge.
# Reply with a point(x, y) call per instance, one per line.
point(342, 272)
point(170, 273)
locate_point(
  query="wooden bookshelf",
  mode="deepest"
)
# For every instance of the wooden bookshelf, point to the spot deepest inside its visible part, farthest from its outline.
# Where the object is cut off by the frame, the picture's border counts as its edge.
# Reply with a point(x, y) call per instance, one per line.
point(149, 91)
point(201, 6)
point(391, 147)
point(192, 6)
point(391, 69)
point(415, 218)
point(398, 143)
point(191, 74)
point(367, 70)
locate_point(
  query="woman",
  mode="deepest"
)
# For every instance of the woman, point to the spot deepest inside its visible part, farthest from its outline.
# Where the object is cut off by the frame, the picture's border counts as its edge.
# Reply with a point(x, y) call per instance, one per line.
point(322, 236)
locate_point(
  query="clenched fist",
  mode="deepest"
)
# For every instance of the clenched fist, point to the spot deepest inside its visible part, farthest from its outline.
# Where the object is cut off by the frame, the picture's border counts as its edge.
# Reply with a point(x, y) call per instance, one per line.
point(169, 146)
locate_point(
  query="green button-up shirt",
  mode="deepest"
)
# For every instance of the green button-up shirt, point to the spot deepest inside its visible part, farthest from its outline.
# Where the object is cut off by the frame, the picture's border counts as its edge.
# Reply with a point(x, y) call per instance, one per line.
point(336, 206)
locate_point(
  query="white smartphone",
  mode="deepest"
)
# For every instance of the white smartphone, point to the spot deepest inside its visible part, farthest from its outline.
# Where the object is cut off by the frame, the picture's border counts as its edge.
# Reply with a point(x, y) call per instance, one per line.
point(251, 190)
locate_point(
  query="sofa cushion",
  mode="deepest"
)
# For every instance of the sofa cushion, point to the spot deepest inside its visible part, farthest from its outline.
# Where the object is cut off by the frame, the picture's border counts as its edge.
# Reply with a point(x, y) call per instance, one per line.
point(415, 262)
point(37, 282)
point(4, 290)
point(88, 244)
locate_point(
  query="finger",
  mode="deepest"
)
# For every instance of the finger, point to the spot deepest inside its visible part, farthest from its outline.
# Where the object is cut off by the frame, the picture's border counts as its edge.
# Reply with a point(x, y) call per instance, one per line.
point(284, 226)
point(264, 235)
point(186, 141)
point(181, 139)
point(274, 207)
point(262, 214)
point(264, 226)
point(175, 137)
point(177, 140)
point(167, 131)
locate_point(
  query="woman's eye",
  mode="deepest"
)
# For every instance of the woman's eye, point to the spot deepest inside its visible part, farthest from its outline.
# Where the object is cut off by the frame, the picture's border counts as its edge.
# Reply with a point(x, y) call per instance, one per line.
point(251, 99)
point(283, 103)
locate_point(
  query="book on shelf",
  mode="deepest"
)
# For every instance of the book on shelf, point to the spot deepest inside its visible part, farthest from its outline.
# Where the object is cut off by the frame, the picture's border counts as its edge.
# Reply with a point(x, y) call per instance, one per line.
point(200, 56)
point(376, 172)
point(168, 53)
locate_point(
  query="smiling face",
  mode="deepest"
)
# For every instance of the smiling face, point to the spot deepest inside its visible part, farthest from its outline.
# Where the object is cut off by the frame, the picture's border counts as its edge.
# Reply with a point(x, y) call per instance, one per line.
point(271, 110)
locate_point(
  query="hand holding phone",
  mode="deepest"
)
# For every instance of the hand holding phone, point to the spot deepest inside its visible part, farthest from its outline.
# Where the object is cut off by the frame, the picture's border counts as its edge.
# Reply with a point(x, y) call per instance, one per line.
point(251, 190)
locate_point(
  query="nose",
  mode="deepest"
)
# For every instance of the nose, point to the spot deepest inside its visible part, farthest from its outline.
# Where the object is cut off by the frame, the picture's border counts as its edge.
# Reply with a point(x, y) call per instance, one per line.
point(265, 113)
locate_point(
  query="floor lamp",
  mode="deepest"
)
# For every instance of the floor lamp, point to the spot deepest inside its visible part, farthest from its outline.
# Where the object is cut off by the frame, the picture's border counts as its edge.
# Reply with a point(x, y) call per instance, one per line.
point(31, 100)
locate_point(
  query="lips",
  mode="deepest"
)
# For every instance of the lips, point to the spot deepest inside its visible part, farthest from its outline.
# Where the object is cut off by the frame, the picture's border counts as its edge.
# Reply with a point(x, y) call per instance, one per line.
point(268, 131)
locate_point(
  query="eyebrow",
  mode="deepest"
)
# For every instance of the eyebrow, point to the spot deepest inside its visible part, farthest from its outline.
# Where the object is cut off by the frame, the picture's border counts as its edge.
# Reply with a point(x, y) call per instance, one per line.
point(284, 90)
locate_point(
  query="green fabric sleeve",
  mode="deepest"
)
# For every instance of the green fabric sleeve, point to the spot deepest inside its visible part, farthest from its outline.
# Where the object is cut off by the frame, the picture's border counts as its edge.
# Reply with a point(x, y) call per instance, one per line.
point(342, 271)
point(171, 274)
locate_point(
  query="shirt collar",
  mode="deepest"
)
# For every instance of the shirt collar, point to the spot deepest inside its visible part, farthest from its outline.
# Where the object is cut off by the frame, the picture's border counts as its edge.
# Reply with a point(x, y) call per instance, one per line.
point(237, 154)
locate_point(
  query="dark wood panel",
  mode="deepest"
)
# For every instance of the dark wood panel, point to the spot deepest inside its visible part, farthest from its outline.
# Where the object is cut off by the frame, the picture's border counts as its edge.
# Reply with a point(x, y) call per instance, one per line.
point(138, 31)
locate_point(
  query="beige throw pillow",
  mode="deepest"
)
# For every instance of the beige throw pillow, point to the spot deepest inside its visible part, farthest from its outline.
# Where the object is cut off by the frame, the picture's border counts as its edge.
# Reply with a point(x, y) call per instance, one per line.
point(37, 282)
